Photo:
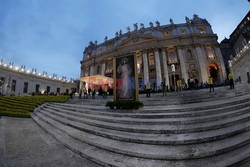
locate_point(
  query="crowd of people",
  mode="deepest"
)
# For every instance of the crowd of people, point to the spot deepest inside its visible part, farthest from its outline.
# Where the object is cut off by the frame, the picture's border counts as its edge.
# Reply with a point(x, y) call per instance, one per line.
point(180, 85)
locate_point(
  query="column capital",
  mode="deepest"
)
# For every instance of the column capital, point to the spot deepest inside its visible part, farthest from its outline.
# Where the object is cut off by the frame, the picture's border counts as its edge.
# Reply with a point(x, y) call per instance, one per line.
point(144, 51)
point(156, 49)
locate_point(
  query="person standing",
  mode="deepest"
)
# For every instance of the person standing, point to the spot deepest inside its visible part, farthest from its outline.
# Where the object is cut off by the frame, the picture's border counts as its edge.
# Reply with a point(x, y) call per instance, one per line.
point(104, 91)
point(80, 94)
point(231, 80)
point(210, 83)
point(93, 93)
point(164, 88)
point(148, 87)
point(179, 86)
point(84, 91)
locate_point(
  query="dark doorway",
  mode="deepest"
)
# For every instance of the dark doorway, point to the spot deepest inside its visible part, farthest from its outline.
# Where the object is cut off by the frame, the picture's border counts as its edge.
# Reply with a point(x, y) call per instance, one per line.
point(213, 69)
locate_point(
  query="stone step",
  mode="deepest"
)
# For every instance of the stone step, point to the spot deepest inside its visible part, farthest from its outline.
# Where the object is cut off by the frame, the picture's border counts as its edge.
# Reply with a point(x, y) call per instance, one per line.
point(170, 108)
point(174, 139)
point(162, 152)
point(108, 158)
point(159, 129)
point(151, 115)
point(159, 121)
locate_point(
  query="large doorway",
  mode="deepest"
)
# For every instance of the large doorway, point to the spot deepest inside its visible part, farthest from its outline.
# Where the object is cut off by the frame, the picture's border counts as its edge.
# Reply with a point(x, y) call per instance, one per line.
point(213, 70)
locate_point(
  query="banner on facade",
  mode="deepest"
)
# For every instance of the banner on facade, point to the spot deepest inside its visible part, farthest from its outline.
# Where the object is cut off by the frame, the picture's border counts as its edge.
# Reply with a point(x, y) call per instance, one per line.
point(125, 76)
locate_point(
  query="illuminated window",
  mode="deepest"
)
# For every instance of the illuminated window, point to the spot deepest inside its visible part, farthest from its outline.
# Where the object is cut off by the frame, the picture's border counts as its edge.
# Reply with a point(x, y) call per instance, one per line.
point(210, 52)
point(183, 32)
point(167, 33)
point(99, 50)
point(202, 30)
point(151, 59)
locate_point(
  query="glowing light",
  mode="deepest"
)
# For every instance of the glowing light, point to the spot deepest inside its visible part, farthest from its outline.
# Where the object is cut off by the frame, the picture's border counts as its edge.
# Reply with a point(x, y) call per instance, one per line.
point(5, 65)
point(28, 71)
point(39, 74)
point(16, 68)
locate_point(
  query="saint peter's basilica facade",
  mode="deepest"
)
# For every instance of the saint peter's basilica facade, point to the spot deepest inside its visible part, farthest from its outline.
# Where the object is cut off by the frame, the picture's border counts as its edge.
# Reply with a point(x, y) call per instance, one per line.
point(190, 47)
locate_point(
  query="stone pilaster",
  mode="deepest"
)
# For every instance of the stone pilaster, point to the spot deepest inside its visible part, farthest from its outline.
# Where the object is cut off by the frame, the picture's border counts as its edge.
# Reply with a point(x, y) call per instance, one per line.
point(182, 59)
point(103, 67)
point(165, 67)
point(201, 58)
point(92, 70)
point(221, 63)
point(145, 67)
point(158, 67)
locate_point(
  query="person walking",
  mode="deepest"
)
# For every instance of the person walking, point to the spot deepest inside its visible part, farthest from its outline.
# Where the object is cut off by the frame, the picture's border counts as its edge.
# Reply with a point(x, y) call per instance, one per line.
point(210, 83)
point(231, 80)
point(148, 87)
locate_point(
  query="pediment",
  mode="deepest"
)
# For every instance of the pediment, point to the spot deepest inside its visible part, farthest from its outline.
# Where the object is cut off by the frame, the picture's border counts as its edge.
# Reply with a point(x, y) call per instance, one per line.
point(137, 39)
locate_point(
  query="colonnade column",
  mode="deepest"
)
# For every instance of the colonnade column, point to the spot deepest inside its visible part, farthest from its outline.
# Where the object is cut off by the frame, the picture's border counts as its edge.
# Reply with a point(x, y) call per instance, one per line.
point(222, 65)
point(158, 67)
point(165, 67)
point(145, 67)
point(184, 74)
point(201, 56)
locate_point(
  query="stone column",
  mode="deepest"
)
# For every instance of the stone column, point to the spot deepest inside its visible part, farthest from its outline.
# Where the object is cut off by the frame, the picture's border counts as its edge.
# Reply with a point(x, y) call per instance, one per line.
point(92, 70)
point(145, 66)
point(182, 59)
point(201, 58)
point(158, 67)
point(103, 68)
point(221, 63)
point(165, 67)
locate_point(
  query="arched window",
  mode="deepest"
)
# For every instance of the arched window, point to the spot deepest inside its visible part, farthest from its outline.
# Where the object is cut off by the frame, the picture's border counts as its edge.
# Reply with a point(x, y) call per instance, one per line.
point(86, 72)
point(139, 63)
point(109, 66)
point(172, 57)
point(189, 54)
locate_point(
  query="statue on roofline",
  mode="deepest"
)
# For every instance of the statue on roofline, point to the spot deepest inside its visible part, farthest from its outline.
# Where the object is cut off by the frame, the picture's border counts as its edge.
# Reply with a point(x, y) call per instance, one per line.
point(142, 26)
point(128, 29)
point(157, 23)
point(151, 24)
point(171, 21)
point(187, 19)
point(135, 26)
point(106, 38)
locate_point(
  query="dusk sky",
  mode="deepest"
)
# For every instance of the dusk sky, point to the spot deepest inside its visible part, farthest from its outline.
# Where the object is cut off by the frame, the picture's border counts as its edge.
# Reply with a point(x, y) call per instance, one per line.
point(50, 35)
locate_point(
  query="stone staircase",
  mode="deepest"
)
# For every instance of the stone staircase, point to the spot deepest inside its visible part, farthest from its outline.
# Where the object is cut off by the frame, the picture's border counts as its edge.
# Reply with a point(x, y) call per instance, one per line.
point(204, 134)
